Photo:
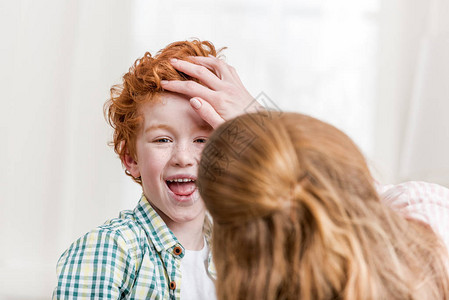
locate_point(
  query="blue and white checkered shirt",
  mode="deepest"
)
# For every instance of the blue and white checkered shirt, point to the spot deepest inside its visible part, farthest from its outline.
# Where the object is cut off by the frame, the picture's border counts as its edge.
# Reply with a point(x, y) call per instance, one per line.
point(134, 256)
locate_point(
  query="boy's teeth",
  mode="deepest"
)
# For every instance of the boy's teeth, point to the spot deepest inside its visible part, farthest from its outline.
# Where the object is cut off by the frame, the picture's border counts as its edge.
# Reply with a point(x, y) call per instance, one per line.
point(180, 180)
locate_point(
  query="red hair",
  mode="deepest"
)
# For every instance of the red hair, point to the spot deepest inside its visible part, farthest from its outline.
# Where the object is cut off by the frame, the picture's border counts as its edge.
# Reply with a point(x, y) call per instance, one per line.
point(140, 85)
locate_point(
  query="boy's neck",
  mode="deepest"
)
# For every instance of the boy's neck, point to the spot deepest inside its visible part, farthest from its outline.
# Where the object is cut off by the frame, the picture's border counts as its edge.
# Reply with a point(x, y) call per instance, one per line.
point(189, 234)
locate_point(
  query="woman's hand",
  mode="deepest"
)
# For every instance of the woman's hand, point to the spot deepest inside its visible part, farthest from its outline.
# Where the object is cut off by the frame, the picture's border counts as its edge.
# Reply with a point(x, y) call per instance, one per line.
point(221, 98)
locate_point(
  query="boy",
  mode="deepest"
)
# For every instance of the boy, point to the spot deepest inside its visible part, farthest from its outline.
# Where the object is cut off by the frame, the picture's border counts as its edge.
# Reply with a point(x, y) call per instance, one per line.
point(160, 249)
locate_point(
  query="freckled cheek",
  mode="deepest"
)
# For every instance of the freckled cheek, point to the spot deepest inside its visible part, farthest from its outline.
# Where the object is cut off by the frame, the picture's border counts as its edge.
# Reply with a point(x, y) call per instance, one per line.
point(165, 156)
point(158, 160)
point(198, 151)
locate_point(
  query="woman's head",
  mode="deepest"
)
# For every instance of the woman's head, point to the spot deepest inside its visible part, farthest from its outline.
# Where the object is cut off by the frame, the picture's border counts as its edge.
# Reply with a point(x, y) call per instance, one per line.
point(296, 214)
point(142, 84)
point(272, 159)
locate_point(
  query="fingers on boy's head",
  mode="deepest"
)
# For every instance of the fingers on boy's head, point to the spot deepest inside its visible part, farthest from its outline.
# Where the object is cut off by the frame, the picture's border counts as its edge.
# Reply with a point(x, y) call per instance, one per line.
point(149, 70)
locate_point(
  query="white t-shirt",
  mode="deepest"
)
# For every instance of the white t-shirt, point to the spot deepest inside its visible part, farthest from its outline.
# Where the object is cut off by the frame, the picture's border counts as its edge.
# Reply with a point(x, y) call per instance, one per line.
point(196, 283)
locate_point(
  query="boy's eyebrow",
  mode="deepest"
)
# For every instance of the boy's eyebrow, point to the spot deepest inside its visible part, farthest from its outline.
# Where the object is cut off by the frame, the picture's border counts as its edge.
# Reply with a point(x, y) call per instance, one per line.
point(205, 127)
point(158, 126)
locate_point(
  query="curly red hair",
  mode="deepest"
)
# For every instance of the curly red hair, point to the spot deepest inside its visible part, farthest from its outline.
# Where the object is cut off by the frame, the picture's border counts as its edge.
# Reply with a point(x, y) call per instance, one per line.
point(140, 85)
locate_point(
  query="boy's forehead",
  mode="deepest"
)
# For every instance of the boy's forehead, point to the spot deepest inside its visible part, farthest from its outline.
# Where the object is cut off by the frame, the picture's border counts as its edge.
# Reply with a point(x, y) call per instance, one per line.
point(170, 108)
point(158, 100)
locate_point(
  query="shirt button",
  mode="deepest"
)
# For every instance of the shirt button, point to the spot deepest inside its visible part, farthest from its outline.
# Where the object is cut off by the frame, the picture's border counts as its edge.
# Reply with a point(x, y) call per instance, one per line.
point(172, 285)
point(177, 250)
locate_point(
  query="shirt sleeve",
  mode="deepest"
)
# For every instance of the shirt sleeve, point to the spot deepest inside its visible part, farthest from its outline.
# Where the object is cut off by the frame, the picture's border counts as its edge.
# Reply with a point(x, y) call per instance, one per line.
point(422, 201)
point(96, 266)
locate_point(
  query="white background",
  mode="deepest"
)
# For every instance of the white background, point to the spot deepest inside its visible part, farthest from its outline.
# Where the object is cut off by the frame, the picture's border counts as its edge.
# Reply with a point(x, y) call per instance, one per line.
point(378, 69)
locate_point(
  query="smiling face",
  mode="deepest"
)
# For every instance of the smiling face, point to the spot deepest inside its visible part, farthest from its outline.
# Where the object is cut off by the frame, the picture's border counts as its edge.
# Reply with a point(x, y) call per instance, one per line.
point(168, 149)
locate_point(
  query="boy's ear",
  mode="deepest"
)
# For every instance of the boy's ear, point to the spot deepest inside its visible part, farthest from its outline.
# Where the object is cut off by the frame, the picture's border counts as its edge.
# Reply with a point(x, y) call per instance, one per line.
point(131, 164)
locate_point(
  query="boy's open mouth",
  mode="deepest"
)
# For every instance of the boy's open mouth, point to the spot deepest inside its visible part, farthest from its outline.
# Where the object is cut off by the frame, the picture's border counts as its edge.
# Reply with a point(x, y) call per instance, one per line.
point(181, 186)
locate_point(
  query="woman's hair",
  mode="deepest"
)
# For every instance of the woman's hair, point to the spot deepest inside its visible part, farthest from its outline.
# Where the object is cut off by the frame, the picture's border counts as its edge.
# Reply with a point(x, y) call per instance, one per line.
point(141, 84)
point(296, 216)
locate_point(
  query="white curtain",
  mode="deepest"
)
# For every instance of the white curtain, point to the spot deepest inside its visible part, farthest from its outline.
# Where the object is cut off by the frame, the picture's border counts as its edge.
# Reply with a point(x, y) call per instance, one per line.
point(59, 177)
point(411, 130)
point(349, 62)
point(425, 152)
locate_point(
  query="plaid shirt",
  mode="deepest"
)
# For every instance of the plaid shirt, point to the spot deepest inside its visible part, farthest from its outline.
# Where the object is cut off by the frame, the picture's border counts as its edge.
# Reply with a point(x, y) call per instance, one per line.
point(134, 256)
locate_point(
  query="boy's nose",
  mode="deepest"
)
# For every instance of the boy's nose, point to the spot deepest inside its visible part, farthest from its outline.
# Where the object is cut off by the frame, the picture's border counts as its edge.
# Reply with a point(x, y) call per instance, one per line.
point(183, 156)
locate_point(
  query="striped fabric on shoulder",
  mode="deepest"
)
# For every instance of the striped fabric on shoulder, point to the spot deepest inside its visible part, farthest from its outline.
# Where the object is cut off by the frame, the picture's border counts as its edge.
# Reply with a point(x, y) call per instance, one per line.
point(422, 201)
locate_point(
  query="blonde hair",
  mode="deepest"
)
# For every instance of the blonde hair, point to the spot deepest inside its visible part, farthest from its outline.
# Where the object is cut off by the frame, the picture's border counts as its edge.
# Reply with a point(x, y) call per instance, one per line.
point(296, 216)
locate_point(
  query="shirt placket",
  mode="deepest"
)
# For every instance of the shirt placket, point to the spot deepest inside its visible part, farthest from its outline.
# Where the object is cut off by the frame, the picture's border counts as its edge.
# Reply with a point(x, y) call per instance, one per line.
point(172, 261)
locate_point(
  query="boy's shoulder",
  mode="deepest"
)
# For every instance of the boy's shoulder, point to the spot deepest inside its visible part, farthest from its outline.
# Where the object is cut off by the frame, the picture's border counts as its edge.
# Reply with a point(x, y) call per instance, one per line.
point(125, 225)
point(126, 231)
point(120, 244)
point(122, 235)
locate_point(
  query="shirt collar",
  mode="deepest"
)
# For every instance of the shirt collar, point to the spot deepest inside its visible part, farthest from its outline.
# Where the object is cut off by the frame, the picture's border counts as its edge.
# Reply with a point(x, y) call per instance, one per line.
point(157, 231)
point(161, 236)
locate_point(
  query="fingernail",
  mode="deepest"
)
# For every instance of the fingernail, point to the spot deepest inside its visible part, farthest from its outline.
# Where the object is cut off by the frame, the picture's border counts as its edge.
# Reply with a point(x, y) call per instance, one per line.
point(195, 103)
point(173, 60)
point(164, 82)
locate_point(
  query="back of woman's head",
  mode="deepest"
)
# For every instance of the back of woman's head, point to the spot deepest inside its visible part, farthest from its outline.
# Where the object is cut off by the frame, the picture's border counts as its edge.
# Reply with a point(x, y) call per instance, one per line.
point(296, 216)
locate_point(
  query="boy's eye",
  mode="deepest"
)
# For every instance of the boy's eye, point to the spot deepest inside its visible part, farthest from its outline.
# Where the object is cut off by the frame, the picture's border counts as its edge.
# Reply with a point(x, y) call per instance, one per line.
point(162, 140)
point(201, 140)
